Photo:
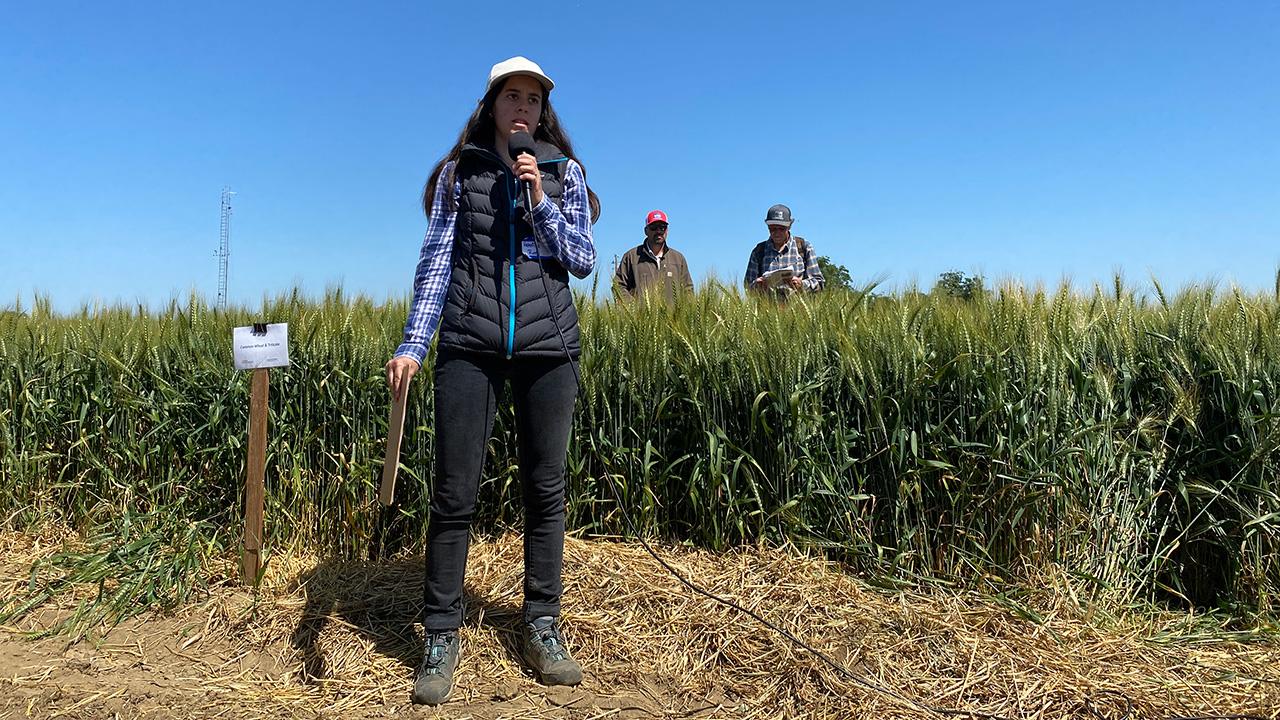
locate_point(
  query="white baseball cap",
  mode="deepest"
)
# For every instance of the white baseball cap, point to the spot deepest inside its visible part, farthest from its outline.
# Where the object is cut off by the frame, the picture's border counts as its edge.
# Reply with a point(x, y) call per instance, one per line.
point(517, 65)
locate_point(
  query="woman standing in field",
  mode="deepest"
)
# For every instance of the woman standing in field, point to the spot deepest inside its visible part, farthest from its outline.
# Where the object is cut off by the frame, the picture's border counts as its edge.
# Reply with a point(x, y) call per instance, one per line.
point(493, 276)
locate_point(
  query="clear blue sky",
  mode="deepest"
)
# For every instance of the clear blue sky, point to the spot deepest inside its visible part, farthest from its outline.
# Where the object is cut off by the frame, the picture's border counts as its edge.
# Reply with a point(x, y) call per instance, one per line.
point(1028, 140)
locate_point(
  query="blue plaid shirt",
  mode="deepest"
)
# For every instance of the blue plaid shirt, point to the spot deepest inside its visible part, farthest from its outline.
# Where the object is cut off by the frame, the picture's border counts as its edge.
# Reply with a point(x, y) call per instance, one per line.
point(765, 258)
point(566, 230)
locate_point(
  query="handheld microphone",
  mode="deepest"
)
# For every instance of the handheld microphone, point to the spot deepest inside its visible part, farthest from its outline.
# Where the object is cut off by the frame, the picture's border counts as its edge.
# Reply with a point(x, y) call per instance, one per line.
point(518, 144)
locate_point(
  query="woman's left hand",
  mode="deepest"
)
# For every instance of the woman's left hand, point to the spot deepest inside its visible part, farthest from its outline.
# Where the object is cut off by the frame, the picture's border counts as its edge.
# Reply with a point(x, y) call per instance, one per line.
point(526, 169)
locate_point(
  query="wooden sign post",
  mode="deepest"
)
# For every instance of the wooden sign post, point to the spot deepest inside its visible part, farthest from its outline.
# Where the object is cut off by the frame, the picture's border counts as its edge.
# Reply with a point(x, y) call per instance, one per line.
point(257, 348)
point(254, 481)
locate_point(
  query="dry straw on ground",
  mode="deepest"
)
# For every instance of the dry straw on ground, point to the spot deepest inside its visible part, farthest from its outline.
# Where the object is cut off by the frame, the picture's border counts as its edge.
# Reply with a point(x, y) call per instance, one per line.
point(338, 639)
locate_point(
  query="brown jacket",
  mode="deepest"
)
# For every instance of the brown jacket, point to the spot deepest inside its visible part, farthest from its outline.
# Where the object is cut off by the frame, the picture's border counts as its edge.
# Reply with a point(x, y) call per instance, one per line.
point(639, 271)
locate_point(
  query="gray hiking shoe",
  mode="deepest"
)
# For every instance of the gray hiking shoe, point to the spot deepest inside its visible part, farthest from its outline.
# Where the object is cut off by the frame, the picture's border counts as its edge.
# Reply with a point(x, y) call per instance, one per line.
point(545, 652)
point(435, 675)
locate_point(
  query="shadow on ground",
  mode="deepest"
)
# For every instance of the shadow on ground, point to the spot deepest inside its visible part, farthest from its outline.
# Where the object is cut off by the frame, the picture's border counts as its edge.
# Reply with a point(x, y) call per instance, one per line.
point(381, 601)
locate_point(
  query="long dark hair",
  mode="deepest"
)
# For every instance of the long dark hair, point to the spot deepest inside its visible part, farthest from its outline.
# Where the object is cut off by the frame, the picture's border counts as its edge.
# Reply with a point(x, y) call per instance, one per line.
point(480, 129)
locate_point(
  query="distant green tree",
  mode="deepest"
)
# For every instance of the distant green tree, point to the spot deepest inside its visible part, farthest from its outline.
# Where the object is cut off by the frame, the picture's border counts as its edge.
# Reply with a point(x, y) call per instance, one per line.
point(958, 285)
point(836, 276)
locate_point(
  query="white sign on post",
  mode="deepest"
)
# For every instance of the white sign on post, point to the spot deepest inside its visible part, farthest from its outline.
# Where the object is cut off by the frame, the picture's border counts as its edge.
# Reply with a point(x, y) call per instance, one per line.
point(255, 350)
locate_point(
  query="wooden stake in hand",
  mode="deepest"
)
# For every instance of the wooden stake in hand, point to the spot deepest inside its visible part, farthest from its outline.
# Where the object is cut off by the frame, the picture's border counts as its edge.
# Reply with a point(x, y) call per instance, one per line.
point(391, 462)
point(251, 561)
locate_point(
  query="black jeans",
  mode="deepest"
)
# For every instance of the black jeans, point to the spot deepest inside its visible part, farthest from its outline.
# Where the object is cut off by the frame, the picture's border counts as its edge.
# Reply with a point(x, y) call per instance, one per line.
point(467, 388)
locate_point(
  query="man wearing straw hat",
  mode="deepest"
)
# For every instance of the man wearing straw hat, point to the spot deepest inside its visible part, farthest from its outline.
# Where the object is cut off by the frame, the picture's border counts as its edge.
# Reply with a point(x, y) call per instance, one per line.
point(782, 264)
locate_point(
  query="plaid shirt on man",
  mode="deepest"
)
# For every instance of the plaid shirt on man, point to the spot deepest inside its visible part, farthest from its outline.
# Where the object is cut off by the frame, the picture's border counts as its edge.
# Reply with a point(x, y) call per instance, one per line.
point(565, 230)
point(764, 258)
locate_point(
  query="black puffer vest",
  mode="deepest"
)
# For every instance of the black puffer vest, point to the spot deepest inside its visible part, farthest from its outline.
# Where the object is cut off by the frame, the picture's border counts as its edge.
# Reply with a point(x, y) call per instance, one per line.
point(496, 281)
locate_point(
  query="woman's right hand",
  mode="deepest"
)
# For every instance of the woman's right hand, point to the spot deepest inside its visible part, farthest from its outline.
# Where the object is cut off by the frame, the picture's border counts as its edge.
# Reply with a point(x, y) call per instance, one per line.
point(400, 370)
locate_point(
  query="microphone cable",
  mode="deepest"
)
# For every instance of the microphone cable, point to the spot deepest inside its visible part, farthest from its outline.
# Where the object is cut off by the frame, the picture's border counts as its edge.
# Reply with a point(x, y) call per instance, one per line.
point(631, 526)
point(838, 667)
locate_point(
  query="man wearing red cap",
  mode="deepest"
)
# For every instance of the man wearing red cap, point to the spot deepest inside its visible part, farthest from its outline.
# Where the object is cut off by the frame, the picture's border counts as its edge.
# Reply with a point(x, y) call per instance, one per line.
point(652, 264)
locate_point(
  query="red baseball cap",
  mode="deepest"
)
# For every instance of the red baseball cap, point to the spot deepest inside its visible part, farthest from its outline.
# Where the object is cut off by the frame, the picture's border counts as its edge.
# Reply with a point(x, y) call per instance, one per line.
point(655, 216)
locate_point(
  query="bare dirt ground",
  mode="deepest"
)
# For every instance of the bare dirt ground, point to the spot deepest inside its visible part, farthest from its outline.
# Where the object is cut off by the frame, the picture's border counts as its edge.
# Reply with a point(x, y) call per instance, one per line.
point(329, 639)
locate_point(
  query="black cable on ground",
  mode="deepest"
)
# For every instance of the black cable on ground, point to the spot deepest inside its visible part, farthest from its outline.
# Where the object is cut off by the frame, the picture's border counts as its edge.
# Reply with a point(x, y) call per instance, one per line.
point(841, 669)
point(845, 672)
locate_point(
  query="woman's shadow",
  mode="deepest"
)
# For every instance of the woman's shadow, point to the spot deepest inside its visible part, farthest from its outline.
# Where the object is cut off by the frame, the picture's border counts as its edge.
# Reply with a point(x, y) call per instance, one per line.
point(382, 601)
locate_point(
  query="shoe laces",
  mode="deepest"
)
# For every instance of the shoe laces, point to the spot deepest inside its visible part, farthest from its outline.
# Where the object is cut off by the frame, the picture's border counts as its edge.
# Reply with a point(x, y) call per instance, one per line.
point(437, 647)
point(549, 638)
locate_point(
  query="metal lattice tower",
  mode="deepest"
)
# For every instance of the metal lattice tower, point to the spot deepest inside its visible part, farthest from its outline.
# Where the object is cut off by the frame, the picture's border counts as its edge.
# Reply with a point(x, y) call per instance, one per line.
point(224, 247)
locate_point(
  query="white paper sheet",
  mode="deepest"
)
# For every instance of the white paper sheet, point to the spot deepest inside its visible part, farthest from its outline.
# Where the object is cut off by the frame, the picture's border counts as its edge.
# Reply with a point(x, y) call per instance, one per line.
point(261, 351)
